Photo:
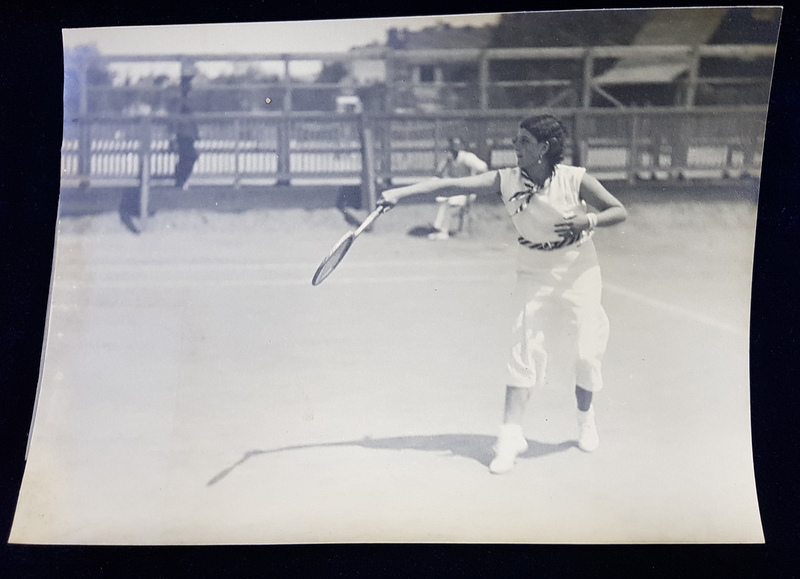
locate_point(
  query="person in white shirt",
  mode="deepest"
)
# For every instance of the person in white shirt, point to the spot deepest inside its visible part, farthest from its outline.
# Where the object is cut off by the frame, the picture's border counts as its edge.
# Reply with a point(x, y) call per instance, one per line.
point(459, 163)
point(557, 270)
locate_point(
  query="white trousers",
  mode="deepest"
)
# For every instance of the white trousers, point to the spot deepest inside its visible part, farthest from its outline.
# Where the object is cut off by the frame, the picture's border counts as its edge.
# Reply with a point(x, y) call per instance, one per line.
point(559, 311)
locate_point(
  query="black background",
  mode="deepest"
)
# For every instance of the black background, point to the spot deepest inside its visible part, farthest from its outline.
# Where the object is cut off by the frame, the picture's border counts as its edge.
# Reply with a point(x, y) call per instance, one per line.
point(30, 133)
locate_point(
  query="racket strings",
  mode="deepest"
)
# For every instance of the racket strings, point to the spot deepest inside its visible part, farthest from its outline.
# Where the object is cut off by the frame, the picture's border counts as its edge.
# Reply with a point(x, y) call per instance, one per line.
point(340, 249)
point(334, 258)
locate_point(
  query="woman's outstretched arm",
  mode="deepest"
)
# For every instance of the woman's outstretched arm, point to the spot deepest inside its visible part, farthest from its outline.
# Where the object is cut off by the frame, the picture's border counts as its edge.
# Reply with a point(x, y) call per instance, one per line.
point(483, 184)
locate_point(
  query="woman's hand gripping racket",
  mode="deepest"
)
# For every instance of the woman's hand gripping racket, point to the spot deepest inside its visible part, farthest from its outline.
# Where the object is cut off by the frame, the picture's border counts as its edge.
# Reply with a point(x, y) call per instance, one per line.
point(336, 255)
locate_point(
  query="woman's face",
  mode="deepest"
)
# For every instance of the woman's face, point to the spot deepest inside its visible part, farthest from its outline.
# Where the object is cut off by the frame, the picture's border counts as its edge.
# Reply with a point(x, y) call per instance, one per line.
point(527, 148)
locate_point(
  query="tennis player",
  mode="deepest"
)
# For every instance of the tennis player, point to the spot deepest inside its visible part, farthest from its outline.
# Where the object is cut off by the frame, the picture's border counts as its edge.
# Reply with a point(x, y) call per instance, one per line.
point(556, 266)
point(458, 163)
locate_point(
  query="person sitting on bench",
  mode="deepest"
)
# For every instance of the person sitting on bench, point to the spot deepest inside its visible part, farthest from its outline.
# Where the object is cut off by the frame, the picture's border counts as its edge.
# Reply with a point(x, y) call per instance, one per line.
point(459, 163)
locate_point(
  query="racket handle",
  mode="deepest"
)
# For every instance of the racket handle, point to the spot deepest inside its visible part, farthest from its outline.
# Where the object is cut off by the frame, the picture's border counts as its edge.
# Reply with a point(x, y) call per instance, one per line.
point(370, 218)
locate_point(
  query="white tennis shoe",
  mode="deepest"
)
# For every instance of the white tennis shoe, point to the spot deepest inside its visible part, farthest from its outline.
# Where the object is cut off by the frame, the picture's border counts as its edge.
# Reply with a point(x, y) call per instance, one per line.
point(510, 443)
point(439, 236)
point(588, 441)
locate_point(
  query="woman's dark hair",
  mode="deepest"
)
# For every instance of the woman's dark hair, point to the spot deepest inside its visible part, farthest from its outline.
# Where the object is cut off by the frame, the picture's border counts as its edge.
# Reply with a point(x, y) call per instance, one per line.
point(547, 128)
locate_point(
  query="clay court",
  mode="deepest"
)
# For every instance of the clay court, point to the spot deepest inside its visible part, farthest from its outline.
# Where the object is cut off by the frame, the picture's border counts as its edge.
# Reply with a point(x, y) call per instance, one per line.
point(198, 390)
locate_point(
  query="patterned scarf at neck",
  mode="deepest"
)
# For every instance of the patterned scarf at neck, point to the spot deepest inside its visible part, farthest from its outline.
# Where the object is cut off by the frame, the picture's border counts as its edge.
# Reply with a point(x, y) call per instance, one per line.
point(531, 188)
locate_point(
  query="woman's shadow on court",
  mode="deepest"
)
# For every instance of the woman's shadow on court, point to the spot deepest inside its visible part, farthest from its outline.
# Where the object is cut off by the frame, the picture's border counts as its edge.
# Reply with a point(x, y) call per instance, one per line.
point(477, 447)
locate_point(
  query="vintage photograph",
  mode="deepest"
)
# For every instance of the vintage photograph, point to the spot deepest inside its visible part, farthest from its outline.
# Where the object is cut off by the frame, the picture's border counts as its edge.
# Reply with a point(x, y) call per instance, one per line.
point(445, 279)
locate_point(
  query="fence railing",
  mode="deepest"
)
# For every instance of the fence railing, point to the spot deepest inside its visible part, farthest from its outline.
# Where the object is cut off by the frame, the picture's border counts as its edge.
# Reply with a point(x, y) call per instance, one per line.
point(237, 149)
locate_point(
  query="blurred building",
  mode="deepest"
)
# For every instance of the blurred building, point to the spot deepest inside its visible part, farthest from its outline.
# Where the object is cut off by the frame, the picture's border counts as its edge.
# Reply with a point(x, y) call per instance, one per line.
point(435, 82)
point(665, 79)
point(504, 66)
point(402, 79)
point(439, 68)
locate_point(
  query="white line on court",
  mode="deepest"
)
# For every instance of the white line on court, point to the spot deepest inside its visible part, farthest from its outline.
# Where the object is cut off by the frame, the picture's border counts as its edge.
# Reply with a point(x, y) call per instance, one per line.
point(250, 266)
point(278, 282)
point(673, 309)
point(145, 281)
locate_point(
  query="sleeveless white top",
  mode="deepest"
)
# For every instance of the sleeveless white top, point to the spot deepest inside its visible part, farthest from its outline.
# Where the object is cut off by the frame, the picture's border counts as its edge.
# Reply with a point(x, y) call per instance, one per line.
point(535, 212)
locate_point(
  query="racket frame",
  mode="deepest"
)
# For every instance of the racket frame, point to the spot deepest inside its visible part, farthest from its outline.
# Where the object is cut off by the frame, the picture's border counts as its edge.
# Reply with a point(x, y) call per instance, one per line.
point(347, 239)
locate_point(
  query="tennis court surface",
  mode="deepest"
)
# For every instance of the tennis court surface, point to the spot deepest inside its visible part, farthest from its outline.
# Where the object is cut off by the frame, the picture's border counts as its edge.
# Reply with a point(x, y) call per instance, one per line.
point(197, 389)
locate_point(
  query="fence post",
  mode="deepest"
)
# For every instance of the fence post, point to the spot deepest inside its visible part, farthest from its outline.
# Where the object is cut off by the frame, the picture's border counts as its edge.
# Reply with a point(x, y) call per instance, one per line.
point(633, 149)
point(386, 150)
point(483, 81)
point(588, 74)
point(388, 95)
point(484, 147)
point(84, 127)
point(144, 171)
point(287, 84)
point(368, 193)
point(681, 133)
point(284, 151)
point(237, 153)
point(84, 151)
point(436, 136)
point(692, 81)
point(579, 146)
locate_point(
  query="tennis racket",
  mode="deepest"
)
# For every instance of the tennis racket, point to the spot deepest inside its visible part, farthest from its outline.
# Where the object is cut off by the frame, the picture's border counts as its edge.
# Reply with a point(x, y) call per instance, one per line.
point(336, 255)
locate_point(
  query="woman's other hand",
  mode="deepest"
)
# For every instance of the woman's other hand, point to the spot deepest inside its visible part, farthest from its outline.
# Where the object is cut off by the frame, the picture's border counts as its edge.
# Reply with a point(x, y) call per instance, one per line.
point(573, 225)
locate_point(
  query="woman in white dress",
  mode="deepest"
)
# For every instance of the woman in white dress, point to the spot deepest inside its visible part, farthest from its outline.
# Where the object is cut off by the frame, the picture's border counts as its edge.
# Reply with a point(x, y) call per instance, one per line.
point(556, 265)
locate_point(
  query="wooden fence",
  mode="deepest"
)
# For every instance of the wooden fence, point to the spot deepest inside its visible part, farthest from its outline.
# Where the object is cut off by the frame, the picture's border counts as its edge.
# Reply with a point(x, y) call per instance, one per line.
point(238, 149)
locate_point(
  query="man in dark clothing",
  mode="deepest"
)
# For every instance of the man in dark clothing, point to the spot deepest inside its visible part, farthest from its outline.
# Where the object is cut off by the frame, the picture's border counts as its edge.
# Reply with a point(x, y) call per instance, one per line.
point(186, 134)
